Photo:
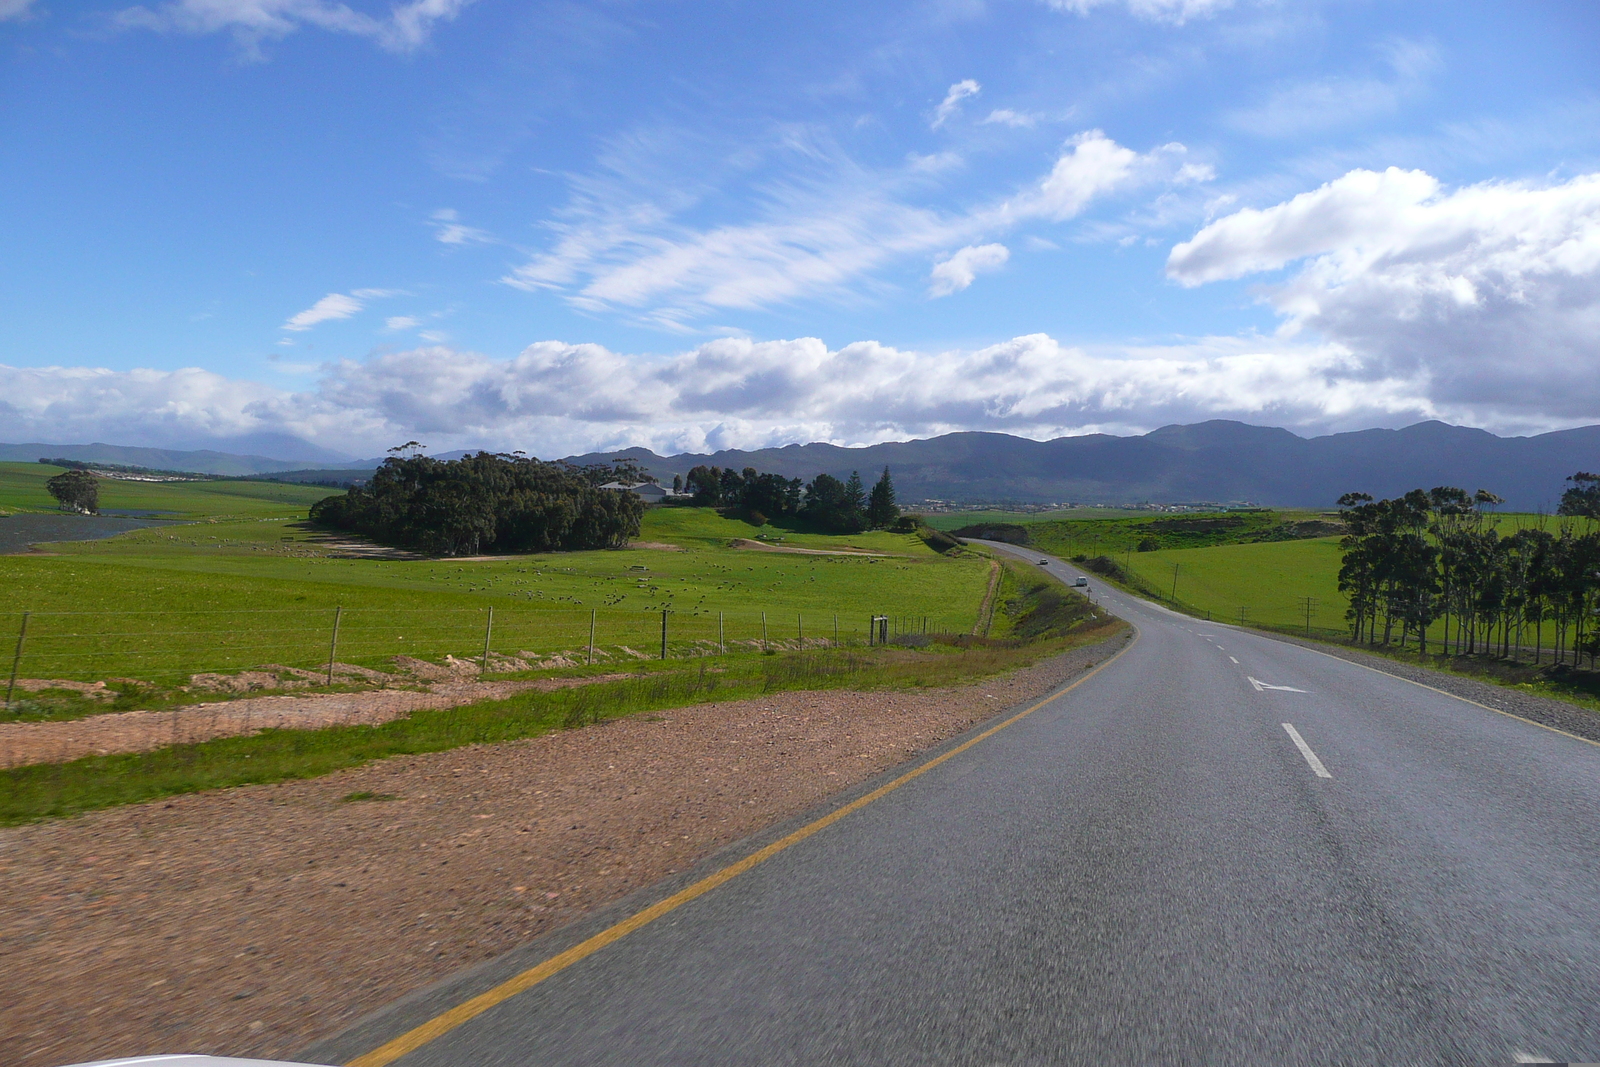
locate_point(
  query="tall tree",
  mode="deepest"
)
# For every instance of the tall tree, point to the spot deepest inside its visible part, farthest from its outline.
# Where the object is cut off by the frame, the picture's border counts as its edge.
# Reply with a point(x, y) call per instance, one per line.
point(1582, 497)
point(882, 510)
point(829, 506)
point(76, 490)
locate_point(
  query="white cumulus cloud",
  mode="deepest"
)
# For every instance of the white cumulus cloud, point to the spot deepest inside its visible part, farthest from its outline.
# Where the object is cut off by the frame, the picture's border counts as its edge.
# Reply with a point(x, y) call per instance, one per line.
point(956, 272)
point(557, 399)
point(251, 22)
point(1491, 292)
point(952, 100)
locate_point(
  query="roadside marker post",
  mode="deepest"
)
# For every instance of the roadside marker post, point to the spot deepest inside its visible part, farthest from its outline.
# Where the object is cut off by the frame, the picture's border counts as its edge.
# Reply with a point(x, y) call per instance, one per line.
point(16, 658)
point(800, 629)
point(663, 633)
point(333, 647)
point(763, 631)
point(591, 637)
point(722, 645)
point(488, 632)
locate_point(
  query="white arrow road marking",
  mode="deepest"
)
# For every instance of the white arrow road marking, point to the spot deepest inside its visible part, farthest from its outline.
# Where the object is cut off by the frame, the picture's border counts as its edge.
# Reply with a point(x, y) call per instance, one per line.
point(1263, 686)
point(1305, 750)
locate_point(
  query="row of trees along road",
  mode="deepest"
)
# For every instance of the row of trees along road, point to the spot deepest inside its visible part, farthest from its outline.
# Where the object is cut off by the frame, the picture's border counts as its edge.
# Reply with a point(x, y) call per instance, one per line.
point(1438, 556)
point(487, 502)
point(825, 503)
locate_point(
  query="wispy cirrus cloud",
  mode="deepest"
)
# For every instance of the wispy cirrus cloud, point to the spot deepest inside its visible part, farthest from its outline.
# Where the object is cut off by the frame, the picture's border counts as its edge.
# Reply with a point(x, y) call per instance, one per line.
point(825, 238)
point(951, 104)
point(253, 22)
point(1176, 12)
point(14, 9)
point(1004, 116)
point(335, 306)
point(448, 229)
point(1317, 105)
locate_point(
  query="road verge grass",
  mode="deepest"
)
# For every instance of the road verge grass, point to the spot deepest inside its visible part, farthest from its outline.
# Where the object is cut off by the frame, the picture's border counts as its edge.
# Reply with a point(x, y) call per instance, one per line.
point(53, 790)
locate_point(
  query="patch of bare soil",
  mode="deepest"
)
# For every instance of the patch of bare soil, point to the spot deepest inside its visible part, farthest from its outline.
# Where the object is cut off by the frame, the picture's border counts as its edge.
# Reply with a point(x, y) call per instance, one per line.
point(659, 546)
point(251, 921)
point(745, 542)
point(141, 731)
point(351, 546)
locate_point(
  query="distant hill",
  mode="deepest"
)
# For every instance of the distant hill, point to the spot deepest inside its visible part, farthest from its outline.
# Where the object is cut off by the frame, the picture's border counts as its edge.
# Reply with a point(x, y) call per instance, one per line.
point(204, 461)
point(1218, 461)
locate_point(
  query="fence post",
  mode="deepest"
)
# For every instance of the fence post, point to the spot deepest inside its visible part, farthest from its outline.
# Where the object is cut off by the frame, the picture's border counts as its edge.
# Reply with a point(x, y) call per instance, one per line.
point(16, 659)
point(663, 633)
point(836, 630)
point(488, 632)
point(333, 646)
point(800, 628)
point(763, 631)
point(591, 637)
point(872, 630)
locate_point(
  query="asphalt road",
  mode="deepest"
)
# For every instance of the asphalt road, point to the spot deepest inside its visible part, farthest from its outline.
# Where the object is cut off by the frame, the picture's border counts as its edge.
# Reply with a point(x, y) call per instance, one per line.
point(1150, 869)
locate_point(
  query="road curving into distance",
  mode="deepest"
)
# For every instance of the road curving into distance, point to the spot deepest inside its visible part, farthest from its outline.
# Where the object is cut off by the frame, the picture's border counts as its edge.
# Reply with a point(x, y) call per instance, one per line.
point(1217, 849)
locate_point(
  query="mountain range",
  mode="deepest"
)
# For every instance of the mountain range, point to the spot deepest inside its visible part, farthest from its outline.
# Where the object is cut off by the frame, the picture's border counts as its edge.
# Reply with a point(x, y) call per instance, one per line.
point(1216, 462)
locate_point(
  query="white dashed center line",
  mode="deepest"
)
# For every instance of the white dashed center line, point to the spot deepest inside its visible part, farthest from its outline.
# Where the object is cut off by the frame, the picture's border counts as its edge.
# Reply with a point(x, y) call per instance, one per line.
point(1305, 750)
point(1235, 662)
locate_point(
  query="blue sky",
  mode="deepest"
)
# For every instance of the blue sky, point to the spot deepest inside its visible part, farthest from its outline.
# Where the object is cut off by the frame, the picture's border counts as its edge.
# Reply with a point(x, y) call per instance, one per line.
point(561, 226)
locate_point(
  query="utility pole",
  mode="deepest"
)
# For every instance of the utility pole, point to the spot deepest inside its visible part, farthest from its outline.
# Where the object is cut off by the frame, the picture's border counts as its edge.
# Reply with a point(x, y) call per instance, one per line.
point(1308, 608)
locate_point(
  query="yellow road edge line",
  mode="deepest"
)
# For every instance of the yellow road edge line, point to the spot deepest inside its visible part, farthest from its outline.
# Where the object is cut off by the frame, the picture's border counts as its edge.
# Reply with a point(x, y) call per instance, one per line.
point(1456, 696)
point(464, 1012)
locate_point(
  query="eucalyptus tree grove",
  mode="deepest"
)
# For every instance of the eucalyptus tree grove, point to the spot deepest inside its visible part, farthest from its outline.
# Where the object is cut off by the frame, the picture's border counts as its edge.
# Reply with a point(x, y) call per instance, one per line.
point(1439, 556)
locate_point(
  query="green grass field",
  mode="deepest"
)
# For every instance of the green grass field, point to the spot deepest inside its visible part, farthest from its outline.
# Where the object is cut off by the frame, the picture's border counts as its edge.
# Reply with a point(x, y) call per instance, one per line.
point(1266, 580)
point(22, 490)
point(248, 583)
point(954, 520)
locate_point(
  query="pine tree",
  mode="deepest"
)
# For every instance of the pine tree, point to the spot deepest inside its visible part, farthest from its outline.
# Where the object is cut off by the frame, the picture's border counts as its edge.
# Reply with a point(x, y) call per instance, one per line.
point(882, 511)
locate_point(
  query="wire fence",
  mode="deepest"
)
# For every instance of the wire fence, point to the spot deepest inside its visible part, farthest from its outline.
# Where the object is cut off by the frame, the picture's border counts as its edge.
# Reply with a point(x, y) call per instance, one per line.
point(170, 646)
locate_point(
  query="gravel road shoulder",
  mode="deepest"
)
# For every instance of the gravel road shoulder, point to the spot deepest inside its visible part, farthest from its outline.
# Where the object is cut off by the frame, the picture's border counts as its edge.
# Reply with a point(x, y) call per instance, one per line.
point(251, 921)
point(1546, 711)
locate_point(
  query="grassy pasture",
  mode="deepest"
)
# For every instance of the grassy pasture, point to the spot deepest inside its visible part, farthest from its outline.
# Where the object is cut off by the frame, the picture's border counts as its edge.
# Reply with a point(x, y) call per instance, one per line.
point(954, 520)
point(247, 583)
point(52, 790)
point(22, 490)
point(1267, 579)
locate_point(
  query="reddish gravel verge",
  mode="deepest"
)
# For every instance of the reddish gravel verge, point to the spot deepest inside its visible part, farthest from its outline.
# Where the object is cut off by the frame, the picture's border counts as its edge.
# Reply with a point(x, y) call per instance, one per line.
point(251, 921)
